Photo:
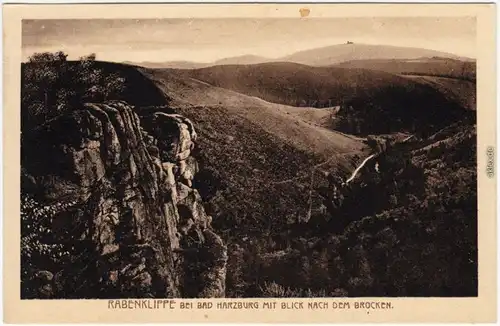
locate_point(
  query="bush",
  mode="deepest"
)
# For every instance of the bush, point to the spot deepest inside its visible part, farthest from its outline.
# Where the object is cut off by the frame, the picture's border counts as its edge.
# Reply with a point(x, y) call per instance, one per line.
point(51, 85)
point(38, 252)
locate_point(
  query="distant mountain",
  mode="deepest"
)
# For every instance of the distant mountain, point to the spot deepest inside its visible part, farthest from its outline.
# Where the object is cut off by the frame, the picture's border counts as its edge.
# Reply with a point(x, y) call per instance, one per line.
point(239, 60)
point(344, 52)
point(170, 64)
point(242, 60)
point(324, 56)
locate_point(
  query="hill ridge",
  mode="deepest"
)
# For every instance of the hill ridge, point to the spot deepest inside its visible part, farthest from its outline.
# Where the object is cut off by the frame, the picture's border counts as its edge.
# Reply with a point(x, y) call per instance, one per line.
point(315, 56)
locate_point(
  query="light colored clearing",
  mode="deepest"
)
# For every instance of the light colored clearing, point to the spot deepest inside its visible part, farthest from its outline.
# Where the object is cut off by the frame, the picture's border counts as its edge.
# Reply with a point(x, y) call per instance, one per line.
point(273, 118)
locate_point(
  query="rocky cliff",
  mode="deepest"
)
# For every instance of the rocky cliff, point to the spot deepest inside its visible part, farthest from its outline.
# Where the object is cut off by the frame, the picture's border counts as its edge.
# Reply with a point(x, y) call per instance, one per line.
point(109, 208)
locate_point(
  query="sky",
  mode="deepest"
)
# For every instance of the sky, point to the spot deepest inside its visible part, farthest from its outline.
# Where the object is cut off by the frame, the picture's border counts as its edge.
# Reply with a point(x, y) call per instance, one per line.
point(207, 40)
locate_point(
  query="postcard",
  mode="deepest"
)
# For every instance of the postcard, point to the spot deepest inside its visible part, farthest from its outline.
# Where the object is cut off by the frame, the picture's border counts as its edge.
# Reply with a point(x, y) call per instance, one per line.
point(297, 163)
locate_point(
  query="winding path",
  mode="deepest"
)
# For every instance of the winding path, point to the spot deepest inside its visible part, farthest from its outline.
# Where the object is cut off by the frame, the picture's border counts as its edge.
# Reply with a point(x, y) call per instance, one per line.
point(369, 158)
point(359, 168)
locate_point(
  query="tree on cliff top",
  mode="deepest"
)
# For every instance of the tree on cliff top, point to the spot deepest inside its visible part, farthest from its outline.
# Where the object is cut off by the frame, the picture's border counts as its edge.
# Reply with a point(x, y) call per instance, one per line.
point(51, 85)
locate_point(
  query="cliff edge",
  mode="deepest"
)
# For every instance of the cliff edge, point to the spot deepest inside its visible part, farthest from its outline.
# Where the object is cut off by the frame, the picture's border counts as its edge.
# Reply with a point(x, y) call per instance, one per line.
point(109, 209)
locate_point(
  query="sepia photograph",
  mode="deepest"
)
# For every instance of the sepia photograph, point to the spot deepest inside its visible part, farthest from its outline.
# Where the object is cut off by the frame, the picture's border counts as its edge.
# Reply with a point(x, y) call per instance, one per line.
point(335, 162)
point(167, 158)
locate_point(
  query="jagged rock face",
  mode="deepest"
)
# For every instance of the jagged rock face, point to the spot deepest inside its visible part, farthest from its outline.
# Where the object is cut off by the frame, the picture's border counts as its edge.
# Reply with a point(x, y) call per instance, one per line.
point(129, 182)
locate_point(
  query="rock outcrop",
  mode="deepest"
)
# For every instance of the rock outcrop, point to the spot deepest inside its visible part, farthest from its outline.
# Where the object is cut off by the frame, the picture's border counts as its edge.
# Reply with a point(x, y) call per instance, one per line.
point(122, 206)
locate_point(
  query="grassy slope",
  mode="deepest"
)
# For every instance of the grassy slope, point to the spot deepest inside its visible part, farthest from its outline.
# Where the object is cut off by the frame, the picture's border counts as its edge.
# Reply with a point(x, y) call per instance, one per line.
point(258, 148)
point(317, 116)
point(376, 96)
point(278, 120)
point(297, 85)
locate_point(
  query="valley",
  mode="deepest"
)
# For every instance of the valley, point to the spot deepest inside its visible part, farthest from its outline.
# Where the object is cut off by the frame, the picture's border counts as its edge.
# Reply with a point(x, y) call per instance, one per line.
point(356, 175)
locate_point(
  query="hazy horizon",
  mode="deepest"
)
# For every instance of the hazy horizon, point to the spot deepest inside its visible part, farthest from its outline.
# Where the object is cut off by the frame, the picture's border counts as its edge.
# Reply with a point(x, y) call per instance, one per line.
point(209, 40)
